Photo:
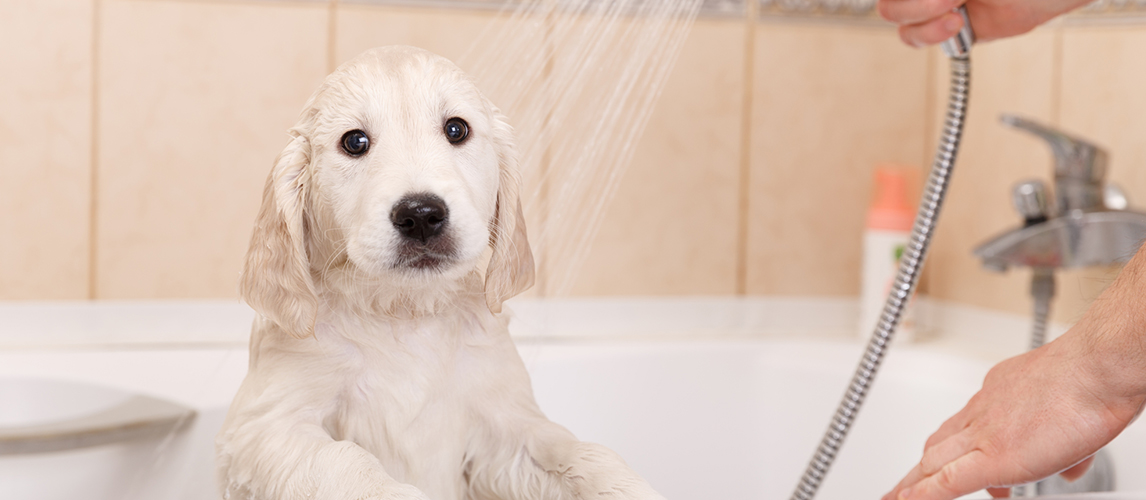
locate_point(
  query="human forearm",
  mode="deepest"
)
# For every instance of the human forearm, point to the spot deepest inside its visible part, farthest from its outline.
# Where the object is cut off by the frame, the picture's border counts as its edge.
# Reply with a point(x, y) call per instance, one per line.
point(1111, 335)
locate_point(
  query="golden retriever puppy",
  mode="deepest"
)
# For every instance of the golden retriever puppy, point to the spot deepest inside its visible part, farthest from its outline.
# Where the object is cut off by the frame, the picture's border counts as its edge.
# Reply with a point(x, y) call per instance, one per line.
point(381, 367)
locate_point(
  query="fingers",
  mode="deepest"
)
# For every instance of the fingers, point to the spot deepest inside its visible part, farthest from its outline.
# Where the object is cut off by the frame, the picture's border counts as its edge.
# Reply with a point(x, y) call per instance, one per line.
point(933, 31)
point(999, 492)
point(935, 457)
point(915, 11)
point(945, 452)
point(940, 449)
point(967, 474)
point(1078, 469)
point(954, 425)
point(1070, 474)
point(923, 22)
point(911, 478)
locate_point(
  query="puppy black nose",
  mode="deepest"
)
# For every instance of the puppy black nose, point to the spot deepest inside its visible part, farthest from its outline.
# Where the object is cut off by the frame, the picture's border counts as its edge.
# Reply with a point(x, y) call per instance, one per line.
point(420, 216)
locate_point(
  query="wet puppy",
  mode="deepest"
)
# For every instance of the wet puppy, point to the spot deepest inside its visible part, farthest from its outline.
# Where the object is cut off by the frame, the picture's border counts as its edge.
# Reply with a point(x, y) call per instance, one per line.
point(381, 367)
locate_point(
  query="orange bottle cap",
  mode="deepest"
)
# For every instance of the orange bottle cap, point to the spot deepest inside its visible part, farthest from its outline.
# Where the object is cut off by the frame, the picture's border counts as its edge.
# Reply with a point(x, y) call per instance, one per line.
point(890, 209)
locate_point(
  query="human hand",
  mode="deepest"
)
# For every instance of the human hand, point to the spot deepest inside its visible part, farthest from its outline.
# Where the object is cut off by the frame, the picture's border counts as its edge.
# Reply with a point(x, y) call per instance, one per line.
point(927, 22)
point(1046, 411)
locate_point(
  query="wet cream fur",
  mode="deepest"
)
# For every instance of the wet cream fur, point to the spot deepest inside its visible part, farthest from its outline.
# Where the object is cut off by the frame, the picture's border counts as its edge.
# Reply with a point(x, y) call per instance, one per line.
point(370, 381)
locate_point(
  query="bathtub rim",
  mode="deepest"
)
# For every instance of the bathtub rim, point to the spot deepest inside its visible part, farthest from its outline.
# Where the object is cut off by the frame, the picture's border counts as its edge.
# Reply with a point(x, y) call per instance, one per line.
point(168, 324)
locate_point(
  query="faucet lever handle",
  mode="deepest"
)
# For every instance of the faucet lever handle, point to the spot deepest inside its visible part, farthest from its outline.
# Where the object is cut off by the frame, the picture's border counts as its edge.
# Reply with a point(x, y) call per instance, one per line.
point(1079, 167)
point(1074, 158)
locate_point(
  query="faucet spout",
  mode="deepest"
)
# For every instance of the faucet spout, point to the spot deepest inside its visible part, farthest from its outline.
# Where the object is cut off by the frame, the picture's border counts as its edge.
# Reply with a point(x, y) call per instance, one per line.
point(1080, 239)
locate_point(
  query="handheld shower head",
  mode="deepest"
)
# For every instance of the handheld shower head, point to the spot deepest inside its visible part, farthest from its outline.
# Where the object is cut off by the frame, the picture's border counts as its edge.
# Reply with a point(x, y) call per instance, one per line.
point(959, 45)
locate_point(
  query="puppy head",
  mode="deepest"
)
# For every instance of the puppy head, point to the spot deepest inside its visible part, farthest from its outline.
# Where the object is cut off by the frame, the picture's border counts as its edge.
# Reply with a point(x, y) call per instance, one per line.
point(399, 175)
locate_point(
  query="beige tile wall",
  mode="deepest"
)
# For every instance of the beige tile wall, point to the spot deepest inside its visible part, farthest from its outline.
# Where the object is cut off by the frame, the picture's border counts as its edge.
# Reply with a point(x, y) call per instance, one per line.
point(192, 99)
point(195, 100)
point(829, 104)
point(446, 32)
point(45, 148)
point(673, 226)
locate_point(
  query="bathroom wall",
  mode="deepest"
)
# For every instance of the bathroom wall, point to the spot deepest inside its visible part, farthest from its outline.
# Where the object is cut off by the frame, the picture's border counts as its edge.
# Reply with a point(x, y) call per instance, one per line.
point(1082, 74)
point(45, 148)
point(135, 137)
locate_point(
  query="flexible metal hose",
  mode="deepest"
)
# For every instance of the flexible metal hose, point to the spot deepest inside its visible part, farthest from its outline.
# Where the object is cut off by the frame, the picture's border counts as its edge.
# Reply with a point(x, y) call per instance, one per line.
point(1042, 291)
point(903, 287)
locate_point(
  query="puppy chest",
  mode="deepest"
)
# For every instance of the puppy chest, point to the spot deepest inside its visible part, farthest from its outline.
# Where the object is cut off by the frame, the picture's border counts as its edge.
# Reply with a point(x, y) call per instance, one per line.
point(407, 407)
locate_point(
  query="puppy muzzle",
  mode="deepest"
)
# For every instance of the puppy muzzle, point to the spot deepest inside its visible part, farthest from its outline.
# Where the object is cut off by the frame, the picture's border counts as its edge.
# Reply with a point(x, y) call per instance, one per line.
point(422, 221)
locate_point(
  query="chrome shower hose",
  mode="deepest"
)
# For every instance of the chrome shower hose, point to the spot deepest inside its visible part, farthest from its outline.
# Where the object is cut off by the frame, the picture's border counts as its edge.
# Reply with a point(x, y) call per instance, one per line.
point(903, 287)
point(1042, 291)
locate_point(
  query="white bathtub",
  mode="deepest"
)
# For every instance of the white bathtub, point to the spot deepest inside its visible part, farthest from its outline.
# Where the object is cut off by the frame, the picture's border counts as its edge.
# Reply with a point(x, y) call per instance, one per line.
point(700, 415)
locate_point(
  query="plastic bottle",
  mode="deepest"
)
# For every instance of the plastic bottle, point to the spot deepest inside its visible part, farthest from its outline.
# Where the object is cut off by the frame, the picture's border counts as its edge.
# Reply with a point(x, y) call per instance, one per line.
point(886, 234)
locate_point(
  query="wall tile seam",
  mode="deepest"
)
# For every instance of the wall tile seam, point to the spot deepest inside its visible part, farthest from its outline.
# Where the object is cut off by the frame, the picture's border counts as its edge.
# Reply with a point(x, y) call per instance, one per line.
point(332, 11)
point(93, 176)
point(743, 187)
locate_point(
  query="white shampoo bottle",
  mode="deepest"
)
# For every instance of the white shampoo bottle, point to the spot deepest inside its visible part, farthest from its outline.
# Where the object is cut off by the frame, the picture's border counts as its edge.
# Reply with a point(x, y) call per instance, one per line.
point(885, 238)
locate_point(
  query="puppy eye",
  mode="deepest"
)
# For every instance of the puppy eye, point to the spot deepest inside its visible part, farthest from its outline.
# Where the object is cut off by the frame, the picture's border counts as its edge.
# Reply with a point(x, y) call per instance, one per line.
point(355, 143)
point(457, 130)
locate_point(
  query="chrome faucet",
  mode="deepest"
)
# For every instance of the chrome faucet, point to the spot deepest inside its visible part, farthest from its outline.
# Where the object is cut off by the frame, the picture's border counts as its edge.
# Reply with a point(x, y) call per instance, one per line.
point(1087, 225)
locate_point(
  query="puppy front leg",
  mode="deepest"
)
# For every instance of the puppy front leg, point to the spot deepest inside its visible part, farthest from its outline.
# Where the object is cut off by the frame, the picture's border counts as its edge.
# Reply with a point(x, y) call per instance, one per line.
point(585, 471)
point(262, 460)
point(553, 465)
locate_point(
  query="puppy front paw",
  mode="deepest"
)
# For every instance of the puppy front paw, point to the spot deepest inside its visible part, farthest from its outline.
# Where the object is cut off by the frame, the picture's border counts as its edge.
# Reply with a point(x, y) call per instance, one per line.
point(399, 492)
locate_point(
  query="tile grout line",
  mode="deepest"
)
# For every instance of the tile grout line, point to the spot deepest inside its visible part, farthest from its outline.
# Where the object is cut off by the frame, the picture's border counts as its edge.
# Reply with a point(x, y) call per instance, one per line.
point(93, 207)
point(331, 35)
point(743, 192)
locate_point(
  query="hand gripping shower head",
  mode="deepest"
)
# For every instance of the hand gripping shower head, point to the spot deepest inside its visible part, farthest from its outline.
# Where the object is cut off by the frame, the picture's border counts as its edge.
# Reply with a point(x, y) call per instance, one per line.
point(958, 50)
point(960, 44)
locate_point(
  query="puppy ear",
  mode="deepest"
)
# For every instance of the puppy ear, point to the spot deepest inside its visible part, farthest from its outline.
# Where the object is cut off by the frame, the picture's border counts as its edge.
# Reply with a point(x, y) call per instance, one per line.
point(276, 278)
point(510, 270)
